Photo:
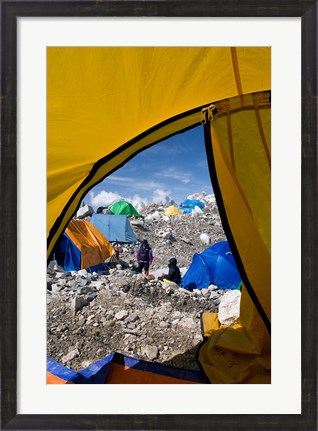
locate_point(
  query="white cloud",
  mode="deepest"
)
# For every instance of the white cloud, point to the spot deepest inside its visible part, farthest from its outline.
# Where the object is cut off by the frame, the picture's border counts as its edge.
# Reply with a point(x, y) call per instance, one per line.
point(138, 202)
point(161, 196)
point(132, 182)
point(175, 175)
point(104, 198)
point(118, 179)
point(202, 164)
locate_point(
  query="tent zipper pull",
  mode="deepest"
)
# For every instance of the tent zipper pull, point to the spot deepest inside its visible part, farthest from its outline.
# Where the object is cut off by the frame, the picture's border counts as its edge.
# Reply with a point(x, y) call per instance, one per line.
point(211, 108)
point(203, 115)
point(207, 109)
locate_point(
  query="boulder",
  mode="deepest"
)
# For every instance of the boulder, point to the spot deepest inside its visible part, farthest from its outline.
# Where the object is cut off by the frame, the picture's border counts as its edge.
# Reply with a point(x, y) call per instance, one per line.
point(151, 352)
point(71, 355)
point(229, 308)
point(78, 303)
point(85, 211)
point(205, 239)
point(121, 315)
point(188, 322)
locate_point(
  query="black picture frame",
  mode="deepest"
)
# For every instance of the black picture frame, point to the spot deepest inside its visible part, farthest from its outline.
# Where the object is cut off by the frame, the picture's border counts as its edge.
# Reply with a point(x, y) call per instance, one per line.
point(10, 10)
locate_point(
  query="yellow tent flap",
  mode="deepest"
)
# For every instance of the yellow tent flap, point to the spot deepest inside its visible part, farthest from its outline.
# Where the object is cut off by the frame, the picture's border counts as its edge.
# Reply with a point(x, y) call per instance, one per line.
point(94, 247)
point(230, 356)
point(239, 135)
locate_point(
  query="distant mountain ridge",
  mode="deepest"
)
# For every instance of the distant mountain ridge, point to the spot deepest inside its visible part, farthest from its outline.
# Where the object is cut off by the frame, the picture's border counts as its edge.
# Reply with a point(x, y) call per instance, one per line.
point(166, 201)
point(203, 197)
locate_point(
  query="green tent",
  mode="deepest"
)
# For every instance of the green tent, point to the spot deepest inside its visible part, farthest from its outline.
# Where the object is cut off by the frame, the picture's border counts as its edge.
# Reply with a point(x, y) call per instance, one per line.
point(124, 208)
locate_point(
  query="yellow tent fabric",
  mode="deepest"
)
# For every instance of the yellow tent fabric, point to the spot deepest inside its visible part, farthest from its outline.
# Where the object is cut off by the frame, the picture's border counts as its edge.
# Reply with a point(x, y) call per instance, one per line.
point(229, 355)
point(172, 210)
point(245, 205)
point(94, 247)
point(104, 105)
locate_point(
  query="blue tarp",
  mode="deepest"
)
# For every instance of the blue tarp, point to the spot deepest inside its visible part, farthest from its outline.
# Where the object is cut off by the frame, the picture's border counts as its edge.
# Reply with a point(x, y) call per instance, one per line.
point(64, 373)
point(215, 265)
point(114, 227)
point(188, 205)
point(119, 368)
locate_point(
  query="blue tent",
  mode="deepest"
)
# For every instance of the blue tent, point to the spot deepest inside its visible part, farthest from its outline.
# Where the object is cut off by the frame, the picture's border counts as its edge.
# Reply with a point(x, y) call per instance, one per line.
point(68, 255)
point(82, 246)
point(215, 265)
point(188, 205)
point(114, 227)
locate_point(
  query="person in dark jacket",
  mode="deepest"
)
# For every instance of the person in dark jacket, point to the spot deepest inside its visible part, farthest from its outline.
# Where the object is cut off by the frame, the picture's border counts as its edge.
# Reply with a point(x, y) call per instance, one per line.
point(144, 257)
point(174, 272)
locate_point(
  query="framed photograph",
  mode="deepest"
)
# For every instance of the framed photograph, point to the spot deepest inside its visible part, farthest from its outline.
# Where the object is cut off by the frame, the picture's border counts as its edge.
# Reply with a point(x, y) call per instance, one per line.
point(35, 36)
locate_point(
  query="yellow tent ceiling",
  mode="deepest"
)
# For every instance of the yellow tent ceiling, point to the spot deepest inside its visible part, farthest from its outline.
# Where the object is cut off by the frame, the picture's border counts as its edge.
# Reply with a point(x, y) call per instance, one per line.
point(100, 99)
point(104, 105)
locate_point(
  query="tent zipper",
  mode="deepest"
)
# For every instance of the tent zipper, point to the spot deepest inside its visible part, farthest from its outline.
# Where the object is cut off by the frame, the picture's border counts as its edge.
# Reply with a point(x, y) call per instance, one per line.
point(207, 111)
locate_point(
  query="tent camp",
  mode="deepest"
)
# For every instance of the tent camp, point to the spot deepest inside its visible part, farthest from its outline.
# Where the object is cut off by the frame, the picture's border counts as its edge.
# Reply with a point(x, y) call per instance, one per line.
point(123, 208)
point(215, 265)
point(188, 205)
point(228, 94)
point(114, 227)
point(172, 210)
point(82, 246)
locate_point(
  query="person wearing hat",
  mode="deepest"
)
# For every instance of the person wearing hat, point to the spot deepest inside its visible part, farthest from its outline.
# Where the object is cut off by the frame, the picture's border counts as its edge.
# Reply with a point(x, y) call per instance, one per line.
point(144, 257)
point(174, 272)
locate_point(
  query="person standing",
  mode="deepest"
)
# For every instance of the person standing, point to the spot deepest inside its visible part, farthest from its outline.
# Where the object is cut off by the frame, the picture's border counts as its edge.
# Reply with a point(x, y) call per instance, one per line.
point(144, 257)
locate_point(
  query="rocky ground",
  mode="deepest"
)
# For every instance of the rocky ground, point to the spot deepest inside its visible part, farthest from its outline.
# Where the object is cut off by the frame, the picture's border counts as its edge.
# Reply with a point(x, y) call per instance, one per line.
point(92, 315)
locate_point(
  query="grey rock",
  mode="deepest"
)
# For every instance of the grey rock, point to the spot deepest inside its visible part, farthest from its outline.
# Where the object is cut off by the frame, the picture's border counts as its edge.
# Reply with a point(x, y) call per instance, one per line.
point(132, 331)
point(69, 356)
point(150, 351)
point(55, 288)
point(108, 323)
point(187, 241)
point(90, 297)
point(164, 324)
point(214, 295)
point(52, 264)
point(82, 281)
point(176, 314)
point(78, 303)
point(188, 322)
point(84, 211)
point(59, 275)
point(81, 320)
point(132, 317)
point(121, 315)
point(175, 322)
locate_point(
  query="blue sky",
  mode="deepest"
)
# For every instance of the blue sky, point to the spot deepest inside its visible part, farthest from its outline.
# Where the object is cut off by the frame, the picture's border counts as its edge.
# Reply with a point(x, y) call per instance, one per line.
point(176, 167)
